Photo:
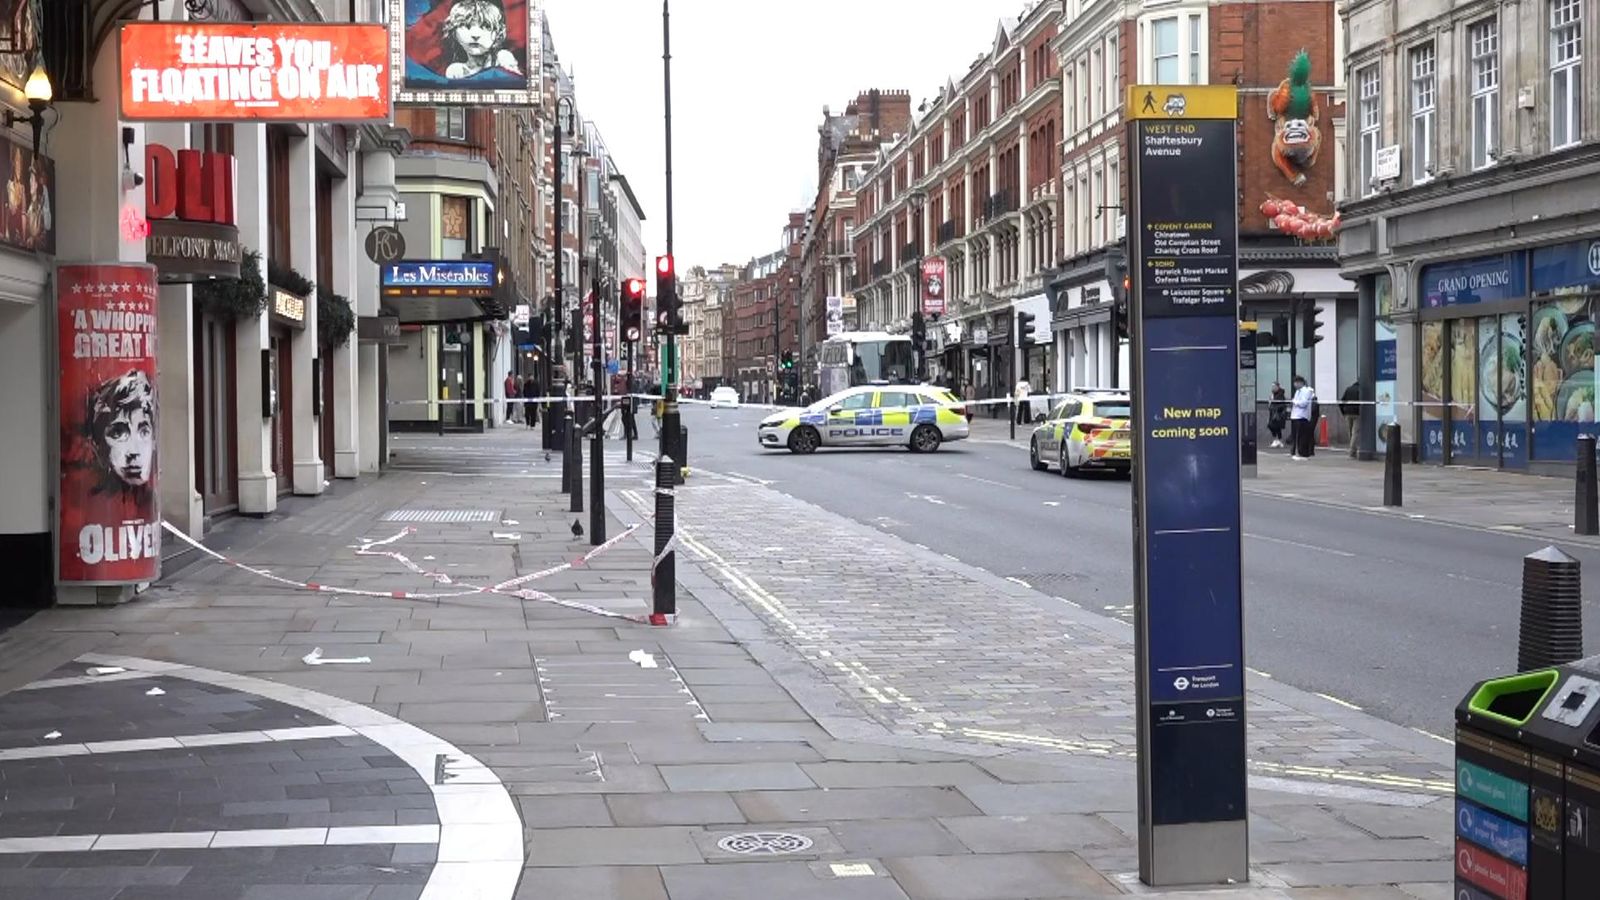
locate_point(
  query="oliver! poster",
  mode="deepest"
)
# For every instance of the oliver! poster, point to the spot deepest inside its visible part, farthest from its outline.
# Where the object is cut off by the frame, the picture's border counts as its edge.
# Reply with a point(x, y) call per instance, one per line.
point(110, 522)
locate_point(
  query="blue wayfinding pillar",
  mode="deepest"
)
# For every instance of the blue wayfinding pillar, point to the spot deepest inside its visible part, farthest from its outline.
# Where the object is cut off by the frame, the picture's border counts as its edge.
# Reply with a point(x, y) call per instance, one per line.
point(1187, 534)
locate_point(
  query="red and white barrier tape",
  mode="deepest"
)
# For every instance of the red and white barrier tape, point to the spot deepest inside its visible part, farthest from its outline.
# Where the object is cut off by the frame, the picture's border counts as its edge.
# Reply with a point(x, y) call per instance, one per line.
point(366, 549)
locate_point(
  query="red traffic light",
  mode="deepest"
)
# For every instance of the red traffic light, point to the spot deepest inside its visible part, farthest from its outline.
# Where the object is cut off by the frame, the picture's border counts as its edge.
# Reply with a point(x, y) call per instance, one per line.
point(663, 265)
point(633, 289)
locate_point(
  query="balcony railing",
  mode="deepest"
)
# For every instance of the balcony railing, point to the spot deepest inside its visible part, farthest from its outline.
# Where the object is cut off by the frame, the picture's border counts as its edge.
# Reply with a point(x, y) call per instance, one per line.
point(947, 231)
point(999, 204)
point(841, 248)
point(880, 268)
point(910, 251)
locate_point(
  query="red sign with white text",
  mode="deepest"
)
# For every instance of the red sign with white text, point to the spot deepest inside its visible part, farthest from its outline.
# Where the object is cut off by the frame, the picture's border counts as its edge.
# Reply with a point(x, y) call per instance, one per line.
point(263, 72)
point(109, 520)
point(933, 285)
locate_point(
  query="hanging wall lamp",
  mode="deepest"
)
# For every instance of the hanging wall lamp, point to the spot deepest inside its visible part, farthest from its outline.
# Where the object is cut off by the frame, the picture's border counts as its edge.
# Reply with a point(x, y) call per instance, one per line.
point(38, 93)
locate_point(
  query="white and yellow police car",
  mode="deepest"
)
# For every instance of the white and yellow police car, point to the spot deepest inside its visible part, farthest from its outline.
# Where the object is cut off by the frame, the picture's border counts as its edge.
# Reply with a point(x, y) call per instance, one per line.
point(918, 416)
point(1085, 430)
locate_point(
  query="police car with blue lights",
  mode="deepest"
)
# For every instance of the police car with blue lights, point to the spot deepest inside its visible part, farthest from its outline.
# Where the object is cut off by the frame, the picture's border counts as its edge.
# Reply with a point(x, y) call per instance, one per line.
point(917, 416)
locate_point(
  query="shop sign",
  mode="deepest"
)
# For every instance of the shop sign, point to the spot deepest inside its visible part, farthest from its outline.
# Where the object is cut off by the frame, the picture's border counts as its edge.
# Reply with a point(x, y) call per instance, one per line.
point(1484, 279)
point(1571, 268)
point(257, 72)
point(1188, 534)
point(189, 207)
point(468, 52)
point(108, 520)
point(933, 286)
point(288, 308)
point(27, 204)
point(835, 315)
point(439, 278)
point(378, 329)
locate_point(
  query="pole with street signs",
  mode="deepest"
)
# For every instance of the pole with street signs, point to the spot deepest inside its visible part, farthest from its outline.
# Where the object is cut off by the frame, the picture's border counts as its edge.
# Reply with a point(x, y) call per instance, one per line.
point(1186, 511)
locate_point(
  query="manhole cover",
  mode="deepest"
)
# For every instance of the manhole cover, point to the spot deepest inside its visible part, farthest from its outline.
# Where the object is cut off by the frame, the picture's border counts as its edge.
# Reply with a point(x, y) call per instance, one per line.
point(758, 843)
point(444, 516)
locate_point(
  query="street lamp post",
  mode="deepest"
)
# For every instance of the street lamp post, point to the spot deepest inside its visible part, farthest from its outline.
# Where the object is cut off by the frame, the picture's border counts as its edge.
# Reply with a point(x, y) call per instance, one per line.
point(574, 440)
point(914, 222)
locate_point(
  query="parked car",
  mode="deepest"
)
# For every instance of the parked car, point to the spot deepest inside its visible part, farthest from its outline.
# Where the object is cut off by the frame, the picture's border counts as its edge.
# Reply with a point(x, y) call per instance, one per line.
point(1087, 430)
point(724, 396)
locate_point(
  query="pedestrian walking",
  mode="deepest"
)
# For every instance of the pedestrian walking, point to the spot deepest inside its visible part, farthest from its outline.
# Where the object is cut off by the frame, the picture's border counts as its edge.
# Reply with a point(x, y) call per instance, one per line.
point(1277, 414)
point(1302, 419)
point(530, 409)
point(513, 392)
point(1350, 408)
point(1022, 392)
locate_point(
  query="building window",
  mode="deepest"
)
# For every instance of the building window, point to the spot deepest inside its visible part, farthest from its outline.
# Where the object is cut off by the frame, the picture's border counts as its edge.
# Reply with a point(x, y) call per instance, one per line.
point(1083, 90)
point(1164, 51)
point(1113, 72)
point(1097, 75)
point(455, 227)
point(450, 122)
point(1423, 96)
point(1369, 114)
point(1566, 72)
point(1069, 95)
point(1195, 43)
point(1484, 39)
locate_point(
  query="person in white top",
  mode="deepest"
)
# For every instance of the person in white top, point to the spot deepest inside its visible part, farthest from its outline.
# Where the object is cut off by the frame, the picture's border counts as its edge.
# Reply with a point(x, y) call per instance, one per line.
point(1302, 408)
point(1022, 392)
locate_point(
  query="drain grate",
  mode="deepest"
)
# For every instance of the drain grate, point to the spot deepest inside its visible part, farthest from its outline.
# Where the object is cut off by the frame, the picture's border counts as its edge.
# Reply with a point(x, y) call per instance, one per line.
point(442, 516)
point(765, 843)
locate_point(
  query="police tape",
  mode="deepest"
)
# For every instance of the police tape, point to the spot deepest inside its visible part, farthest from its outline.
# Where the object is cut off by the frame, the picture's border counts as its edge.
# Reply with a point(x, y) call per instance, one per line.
point(504, 588)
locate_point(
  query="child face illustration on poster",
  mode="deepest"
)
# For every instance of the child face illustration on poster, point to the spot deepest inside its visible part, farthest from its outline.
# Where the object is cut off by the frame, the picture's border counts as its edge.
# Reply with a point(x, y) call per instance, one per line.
point(466, 44)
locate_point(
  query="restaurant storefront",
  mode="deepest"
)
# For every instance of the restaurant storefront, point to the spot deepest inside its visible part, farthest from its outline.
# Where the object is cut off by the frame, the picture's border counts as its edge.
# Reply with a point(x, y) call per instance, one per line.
point(1506, 355)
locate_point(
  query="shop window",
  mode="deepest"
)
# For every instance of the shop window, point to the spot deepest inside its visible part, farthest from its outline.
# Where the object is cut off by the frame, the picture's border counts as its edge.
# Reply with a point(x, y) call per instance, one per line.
point(1566, 72)
point(279, 231)
point(1484, 39)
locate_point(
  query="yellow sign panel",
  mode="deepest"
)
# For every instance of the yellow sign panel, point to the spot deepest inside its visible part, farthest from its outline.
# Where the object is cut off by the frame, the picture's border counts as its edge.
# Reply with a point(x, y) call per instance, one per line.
point(1182, 101)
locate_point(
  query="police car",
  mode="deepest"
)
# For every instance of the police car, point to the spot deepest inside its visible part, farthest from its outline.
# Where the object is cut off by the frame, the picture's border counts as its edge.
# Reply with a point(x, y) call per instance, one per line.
point(1085, 430)
point(917, 416)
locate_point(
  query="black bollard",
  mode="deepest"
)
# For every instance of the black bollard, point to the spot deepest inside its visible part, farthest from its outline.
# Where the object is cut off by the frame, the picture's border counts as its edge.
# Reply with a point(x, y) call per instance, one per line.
point(1391, 466)
point(1551, 631)
point(575, 462)
point(663, 572)
point(1586, 505)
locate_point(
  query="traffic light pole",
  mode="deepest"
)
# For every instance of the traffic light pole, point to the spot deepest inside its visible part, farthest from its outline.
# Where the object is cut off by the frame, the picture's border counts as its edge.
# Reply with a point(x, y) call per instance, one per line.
point(597, 447)
point(628, 406)
point(553, 316)
point(663, 576)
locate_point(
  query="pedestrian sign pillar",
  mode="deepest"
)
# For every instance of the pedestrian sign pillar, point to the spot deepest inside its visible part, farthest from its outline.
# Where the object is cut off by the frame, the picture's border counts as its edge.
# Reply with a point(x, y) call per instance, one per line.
point(1184, 312)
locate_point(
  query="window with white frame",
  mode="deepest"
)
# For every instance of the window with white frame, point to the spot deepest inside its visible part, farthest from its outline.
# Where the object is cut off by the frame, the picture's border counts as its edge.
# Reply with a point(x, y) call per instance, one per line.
point(1113, 195)
point(1164, 54)
point(1083, 89)
point(1483, 39)
point(1083, 212)
point(1369, 114)
point(450, 122)
point(1069, 96)
point(1195, 43)
point(1099, 198)
point(1113, 72)
point(1566, 72)
point(1424, 96)
point(1072, 219)
point(1097, 73)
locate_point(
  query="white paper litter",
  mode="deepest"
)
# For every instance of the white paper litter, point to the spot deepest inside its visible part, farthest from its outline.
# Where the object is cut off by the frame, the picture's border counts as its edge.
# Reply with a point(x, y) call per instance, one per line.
point(315, 658)
point(645, 660)
point(106, 670)
point(509, 522)
point(507, 536)
point(155, 692)
point(54, 735)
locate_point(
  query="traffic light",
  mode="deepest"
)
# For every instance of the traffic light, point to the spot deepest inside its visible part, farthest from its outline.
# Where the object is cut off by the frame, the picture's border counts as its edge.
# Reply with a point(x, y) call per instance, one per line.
point(788, 359)
point(1121, 285)
point(667, 293)
point(1026, 330)
point(632, 309)
point(1311, 323)
point(919, 328)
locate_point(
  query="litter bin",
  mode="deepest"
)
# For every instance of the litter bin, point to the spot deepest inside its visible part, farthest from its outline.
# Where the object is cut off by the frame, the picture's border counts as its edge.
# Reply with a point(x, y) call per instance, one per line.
point(1528, 786)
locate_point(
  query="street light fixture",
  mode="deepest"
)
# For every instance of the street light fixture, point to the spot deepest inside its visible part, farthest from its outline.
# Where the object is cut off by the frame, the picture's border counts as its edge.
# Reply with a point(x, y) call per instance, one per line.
point(38, 93)
point(914, 230)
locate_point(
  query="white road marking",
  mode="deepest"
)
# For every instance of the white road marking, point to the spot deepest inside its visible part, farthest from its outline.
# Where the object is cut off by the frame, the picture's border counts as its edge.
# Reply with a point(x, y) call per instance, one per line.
point(1345, 703)
point(1019, 581)
point(987, 481)
point(195, 840)
point(1302, 546)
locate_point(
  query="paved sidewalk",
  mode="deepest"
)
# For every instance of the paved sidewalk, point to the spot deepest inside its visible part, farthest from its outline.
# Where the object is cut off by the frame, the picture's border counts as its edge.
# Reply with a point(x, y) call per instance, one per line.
point(722, 757)
point(1466, 496)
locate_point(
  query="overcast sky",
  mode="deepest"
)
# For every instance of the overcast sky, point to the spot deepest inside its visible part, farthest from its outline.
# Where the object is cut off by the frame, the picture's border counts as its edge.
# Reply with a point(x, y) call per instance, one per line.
point(749, 80)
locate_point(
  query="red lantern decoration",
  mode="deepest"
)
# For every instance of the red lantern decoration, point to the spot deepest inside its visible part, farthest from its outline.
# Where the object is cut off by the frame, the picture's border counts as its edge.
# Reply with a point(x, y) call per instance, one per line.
point(1281, 221)
point(1270, 208)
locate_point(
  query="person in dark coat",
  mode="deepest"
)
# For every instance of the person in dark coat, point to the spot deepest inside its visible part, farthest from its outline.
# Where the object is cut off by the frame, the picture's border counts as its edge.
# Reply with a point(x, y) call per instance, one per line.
point(530, 411)
point(1277, 414)
point(1350, 408)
